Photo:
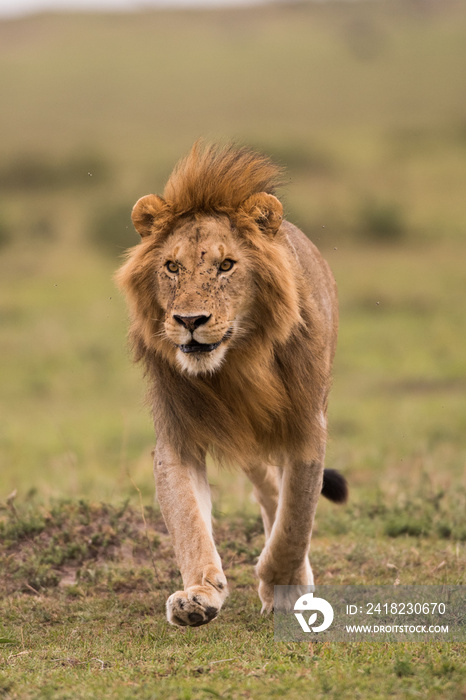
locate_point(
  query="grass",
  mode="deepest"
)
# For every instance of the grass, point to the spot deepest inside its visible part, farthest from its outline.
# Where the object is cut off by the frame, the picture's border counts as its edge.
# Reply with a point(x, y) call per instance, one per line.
point(363, 104)
point(83, 592)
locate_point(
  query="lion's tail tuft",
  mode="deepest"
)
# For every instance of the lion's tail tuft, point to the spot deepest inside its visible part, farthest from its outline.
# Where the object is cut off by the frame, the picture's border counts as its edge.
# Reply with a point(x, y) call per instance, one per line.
point(335, 486)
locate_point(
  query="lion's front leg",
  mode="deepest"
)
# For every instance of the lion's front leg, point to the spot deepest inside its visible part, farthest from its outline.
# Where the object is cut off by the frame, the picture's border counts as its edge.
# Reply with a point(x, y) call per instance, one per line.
point(184, 497)
point(284, 559)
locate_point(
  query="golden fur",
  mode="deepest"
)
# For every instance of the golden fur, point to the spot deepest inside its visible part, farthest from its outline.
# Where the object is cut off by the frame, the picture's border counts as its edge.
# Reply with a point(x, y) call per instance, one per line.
point(257, 393)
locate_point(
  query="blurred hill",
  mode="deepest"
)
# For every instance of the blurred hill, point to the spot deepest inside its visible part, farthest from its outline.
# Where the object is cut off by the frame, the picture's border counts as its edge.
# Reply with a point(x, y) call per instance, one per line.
point(363, 102)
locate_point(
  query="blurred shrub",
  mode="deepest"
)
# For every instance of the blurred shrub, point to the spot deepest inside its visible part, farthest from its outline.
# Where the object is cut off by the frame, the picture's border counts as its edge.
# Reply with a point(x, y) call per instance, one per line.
point(5, 232)
point(29, 171)
point(111, 229)
point(298, 156)
point(408, 142)
point(86, 168)
point(381, 221)
point(461, 133)
point(42, 228)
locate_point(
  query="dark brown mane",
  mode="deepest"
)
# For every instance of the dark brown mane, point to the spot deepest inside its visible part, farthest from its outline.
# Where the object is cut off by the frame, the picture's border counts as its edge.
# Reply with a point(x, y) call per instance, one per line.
point(219, 178)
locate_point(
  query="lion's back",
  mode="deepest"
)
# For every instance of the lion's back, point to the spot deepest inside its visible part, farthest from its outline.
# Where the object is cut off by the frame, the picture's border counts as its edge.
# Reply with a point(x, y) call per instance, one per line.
point(319, 280)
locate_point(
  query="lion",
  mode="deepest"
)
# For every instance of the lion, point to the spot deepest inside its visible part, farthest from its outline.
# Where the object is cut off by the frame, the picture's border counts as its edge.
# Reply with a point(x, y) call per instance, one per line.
point(234, 314)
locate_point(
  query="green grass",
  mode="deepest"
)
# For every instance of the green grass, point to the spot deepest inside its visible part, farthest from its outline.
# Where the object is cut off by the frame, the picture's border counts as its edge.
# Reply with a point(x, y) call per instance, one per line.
point(364, 104)
point(84, 587)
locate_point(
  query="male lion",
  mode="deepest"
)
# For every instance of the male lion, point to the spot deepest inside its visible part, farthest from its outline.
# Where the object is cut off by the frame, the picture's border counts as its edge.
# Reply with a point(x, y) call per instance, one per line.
point(234, 313)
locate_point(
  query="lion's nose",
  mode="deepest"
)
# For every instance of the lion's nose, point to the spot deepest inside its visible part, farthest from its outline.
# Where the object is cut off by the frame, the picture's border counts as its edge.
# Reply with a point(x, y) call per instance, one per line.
point(191, 322)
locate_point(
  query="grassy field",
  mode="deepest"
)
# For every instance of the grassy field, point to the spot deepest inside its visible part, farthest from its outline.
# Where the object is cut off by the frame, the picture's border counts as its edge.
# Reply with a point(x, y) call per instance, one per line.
point(364, 105)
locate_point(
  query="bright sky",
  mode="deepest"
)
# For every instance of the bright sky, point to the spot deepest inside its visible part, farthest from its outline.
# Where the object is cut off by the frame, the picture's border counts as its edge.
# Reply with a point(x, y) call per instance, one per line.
point(12, 8)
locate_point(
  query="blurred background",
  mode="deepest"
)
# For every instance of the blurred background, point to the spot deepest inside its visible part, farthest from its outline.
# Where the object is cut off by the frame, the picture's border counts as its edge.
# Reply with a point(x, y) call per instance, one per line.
point(363, 102)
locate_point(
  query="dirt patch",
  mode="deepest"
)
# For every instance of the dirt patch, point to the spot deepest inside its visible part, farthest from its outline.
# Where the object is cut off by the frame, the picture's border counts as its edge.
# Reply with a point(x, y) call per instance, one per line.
point(82, 546)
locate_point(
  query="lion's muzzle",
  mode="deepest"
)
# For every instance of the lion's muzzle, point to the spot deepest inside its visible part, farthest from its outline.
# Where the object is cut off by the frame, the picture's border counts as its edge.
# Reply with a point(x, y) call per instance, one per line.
point(191, 324)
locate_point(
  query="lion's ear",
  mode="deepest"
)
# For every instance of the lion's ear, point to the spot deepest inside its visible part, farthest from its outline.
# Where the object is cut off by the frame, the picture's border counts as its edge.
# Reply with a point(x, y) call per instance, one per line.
point(266, 210)
point(145, 211)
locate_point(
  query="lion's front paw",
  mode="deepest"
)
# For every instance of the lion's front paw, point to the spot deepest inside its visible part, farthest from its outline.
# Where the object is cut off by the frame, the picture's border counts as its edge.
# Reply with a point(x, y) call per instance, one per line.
point(194, 607)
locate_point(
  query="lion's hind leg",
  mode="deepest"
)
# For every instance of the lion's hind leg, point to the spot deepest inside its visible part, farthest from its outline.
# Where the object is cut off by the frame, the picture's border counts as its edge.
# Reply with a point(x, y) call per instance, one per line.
point(284, 559)
point(265, 479)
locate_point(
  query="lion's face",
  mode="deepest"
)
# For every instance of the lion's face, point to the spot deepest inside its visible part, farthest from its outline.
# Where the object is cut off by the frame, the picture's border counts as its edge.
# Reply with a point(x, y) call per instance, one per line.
point(205, 290)
point(202, 284)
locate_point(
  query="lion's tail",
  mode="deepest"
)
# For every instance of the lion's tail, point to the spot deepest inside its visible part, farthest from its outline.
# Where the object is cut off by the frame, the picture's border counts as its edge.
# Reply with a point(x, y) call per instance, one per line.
point(335, 486)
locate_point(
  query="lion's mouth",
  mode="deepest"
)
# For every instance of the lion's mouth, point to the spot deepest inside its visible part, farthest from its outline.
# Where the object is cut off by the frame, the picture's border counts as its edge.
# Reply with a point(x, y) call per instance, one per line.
point(194, 346)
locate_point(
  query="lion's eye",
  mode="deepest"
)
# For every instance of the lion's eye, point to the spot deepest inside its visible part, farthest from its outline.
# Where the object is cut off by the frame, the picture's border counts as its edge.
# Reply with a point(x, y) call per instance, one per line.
point(172, 266)
point(226, 265)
